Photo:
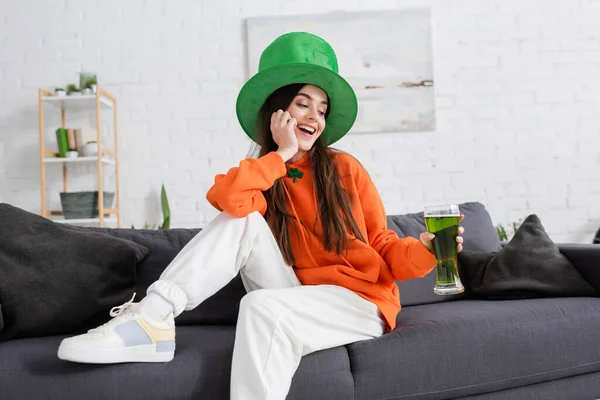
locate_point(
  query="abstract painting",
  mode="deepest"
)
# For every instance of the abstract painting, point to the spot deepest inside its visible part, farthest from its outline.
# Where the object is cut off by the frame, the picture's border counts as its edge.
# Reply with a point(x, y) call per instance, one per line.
point(385, 55)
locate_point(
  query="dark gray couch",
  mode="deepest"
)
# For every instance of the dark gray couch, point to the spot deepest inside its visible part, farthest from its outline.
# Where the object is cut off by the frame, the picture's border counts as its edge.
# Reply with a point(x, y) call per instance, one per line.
point(443, 347)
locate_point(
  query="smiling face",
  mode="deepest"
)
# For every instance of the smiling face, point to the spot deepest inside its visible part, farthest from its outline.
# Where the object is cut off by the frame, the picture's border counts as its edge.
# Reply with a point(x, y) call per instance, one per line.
point(309, 108)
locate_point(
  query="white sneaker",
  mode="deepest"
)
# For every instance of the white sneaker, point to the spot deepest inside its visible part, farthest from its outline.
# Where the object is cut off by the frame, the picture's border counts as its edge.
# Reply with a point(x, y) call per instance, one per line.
point(131, 336)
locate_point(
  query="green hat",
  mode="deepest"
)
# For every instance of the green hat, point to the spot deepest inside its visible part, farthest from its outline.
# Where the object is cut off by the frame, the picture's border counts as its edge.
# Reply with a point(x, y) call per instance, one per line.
point(299, 57)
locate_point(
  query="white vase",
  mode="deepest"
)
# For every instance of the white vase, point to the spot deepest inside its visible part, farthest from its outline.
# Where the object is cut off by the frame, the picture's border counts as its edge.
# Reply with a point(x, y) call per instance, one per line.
point(90, 150)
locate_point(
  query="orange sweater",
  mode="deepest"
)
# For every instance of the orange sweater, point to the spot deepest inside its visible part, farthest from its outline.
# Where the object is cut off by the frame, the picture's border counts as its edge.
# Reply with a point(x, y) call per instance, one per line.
point(367, 269)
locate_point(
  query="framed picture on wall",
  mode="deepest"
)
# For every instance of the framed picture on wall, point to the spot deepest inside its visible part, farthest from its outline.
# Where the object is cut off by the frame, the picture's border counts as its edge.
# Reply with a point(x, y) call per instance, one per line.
point(385, 55)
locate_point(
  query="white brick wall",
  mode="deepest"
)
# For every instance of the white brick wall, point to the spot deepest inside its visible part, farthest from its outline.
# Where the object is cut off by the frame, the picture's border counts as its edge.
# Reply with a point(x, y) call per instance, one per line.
point(518, 97)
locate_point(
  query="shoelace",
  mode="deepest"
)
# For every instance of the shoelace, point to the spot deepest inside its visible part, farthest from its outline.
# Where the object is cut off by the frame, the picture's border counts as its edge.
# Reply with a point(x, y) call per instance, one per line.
point(115, 312)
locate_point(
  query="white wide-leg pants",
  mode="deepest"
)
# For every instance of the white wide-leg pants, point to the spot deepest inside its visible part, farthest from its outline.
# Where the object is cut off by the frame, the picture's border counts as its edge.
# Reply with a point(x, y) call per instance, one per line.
point(279, 320)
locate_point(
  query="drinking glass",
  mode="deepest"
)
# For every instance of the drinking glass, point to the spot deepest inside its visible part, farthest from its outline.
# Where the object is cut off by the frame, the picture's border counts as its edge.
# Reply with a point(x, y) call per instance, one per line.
point(443, 222)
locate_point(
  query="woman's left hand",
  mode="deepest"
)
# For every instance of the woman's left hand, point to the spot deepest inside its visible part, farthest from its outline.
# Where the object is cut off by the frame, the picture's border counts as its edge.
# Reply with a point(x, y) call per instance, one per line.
point(426, 238)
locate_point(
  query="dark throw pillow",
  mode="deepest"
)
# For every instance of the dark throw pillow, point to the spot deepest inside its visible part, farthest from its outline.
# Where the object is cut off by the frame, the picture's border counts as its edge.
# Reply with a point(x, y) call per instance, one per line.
point(60, 279)
point(529, 266)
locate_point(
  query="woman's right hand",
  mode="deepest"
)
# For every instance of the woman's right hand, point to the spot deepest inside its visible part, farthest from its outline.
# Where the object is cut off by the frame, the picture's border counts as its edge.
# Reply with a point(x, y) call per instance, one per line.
point(282, 128)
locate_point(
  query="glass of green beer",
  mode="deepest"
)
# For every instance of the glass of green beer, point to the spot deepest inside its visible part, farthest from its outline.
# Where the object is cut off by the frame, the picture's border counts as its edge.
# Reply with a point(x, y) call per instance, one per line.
point(443, 222)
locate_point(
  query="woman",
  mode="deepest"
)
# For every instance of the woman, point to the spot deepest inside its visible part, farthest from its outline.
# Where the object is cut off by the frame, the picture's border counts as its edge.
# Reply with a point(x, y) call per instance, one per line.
point(304, 226)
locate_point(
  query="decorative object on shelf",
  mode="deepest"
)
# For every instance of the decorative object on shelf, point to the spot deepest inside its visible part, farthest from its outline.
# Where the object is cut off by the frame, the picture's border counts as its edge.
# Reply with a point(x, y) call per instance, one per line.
point(88, 82)
point(62, 141)
point(84, 135)
point(76, 205)
point(72, 154)
point(72, 139)
point(72, 90)
point(90, 149)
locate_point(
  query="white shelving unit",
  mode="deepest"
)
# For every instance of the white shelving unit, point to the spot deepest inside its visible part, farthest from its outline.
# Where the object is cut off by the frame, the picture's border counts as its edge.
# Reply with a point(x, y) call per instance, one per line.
point(78, 160)
point(105, 157)
point(77, 103)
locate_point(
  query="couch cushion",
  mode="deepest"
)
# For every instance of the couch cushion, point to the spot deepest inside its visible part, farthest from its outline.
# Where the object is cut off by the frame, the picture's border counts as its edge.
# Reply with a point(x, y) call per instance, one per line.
point(220, 309)
point(29, 369)
point(57, 278)
point(461, 348)
point(529, 266)
point(480, 235)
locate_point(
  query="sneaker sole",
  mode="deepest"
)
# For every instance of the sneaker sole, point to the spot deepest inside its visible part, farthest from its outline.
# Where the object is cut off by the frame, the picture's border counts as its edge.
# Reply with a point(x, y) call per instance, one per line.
point(145, 353)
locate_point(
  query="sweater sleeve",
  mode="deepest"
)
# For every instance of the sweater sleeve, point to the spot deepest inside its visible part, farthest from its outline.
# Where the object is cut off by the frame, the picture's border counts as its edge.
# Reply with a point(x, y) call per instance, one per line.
point(239, 192)
point(407, 257)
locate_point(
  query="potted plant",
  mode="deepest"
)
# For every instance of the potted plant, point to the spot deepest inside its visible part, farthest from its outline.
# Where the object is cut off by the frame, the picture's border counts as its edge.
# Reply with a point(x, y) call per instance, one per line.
point(88, 82)
point(93, 84)
point(60, 92)
point(72, 90)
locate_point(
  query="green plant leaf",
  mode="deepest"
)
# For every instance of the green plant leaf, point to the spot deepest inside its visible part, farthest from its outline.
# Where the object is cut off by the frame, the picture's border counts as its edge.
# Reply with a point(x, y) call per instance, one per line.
point(516, 225)
point(166, 210)
point(501, 232)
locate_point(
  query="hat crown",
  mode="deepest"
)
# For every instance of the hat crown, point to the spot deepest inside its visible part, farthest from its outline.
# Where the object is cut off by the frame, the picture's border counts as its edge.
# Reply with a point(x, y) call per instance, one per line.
point(298, 48)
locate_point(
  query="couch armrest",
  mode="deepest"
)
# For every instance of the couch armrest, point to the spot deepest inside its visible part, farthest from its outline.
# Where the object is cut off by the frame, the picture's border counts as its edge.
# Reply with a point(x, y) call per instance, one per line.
point(586, 258)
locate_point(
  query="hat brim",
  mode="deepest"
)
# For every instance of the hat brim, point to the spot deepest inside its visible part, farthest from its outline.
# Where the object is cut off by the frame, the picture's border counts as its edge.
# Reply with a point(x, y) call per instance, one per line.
point(342, 99)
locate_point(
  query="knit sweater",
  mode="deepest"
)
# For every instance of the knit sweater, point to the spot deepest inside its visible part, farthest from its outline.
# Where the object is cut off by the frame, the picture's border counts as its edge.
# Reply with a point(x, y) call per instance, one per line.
point(368, 269)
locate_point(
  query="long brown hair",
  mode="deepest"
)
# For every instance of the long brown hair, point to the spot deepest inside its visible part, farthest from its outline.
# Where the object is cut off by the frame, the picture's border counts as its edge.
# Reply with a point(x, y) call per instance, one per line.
point(333, 201)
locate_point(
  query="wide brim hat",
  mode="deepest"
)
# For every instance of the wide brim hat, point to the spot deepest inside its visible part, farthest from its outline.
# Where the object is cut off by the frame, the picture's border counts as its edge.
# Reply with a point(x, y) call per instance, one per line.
point(299, 57)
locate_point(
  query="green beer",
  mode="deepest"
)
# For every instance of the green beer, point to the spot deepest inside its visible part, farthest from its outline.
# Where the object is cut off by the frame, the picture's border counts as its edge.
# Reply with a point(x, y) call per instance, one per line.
point(443, 222)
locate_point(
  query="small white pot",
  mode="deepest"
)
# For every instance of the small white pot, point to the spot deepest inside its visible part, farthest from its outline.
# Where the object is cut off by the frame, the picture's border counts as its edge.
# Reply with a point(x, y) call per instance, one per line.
point(90, 149)
point(60, 93)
